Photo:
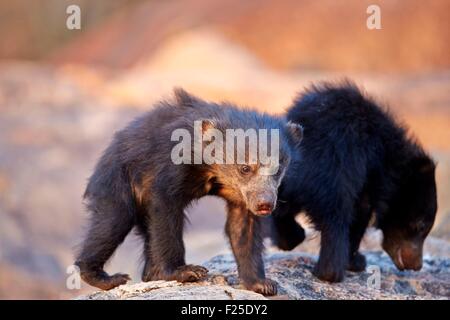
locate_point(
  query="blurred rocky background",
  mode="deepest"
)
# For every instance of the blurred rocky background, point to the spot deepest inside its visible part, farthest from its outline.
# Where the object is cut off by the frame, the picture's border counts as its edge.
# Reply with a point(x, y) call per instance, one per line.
point(64, 92)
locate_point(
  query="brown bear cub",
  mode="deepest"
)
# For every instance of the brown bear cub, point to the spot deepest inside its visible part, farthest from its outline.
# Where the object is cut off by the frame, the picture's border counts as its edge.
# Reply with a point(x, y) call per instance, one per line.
point(149, 174)
point(355, 160)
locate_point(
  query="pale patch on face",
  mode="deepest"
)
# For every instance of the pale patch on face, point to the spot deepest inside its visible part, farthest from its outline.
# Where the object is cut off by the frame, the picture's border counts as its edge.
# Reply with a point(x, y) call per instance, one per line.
point(260, 192)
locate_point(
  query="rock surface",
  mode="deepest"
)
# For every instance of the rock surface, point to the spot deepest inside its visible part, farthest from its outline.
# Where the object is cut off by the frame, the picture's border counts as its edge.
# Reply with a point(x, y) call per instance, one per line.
point(292, 271)
point(172, 290)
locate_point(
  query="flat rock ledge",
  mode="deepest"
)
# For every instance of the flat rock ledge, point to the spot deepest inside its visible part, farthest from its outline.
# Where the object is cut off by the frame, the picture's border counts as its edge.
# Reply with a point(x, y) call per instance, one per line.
point(292, 271)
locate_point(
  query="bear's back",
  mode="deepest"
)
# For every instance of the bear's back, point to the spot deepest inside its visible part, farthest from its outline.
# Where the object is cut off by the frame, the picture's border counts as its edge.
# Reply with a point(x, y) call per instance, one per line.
point(341, 117)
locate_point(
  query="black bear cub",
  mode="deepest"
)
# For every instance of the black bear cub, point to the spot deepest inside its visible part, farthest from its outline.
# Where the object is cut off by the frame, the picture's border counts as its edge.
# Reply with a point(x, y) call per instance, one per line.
point(145, 180)
point(355, 160)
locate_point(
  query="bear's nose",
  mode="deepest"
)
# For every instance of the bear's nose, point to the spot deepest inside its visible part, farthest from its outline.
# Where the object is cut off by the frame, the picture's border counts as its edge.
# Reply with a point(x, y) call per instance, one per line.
point(411, 257)
point(264, 208)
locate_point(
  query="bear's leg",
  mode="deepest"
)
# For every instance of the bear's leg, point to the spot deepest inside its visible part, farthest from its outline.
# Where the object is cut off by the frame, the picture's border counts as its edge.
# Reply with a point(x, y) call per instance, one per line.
point(244, 232)
point(287, 232)
point(334, 251)
point(165, 247)
point(106, 232)
point(357, 261)
point(144, 231)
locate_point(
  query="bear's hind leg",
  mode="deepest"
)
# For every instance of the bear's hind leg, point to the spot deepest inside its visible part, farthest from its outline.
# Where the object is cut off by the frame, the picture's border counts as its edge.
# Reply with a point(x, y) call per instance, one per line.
point(143, 230)
point(106, 232)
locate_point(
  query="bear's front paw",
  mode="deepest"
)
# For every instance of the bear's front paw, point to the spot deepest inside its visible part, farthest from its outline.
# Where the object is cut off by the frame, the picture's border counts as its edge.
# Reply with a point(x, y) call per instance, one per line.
point(190, 273)
point(357, 263)
point(329, 274)
point(265, 287)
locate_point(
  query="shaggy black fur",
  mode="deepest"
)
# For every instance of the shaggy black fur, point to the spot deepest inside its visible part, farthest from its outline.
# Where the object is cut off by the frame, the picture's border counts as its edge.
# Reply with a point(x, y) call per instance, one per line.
point(355, 160)
point(136, 184)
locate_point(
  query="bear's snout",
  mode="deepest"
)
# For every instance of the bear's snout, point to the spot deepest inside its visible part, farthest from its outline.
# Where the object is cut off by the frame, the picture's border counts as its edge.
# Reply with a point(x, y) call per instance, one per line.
point(407, 256)
point(410, 257)
point(264, 208)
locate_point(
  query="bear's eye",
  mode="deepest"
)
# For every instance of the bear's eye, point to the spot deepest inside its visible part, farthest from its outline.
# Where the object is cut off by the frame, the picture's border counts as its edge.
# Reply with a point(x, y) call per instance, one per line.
point(421, 226)
point(246, 170)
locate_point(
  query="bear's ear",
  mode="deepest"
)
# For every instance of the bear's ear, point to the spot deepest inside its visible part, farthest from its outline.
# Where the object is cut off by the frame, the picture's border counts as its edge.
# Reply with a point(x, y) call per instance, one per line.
point(185, 99)
point(296, 131)
point(428, 168)
point(423, 164)
point(211, 123)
